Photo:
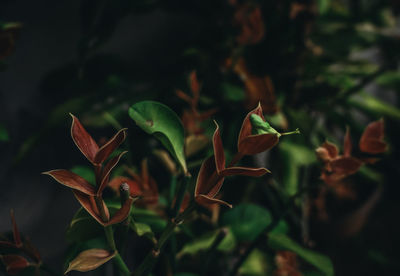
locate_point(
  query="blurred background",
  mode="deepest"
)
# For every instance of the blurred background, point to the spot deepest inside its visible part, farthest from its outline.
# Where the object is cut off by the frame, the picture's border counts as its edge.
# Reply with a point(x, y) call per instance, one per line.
point(317, 65)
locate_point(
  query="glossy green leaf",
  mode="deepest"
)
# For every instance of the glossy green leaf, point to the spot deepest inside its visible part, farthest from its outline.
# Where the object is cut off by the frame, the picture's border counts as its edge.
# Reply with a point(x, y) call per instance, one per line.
point(283, 242)
point(247, 221)
point(159, 120)
point(3, 134)
point(205, 241)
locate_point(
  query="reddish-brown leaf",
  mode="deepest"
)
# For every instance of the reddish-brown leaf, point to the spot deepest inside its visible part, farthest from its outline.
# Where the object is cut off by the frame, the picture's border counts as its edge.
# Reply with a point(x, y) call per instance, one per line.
point(89, 204)
point(206, 201)
point(372, 138)
point(244, 171)
point(90, 259)
point(14, 263)
point(347, 146)
point(246, 128)
point(16, 234)
point(104, 152)
point(107, 170)
point(346, 165)
point(72, 180)
point(122, 213)
point(83, 140)
point(218, 150)
point(257, 143)
point(207, 179)
point(332, 149)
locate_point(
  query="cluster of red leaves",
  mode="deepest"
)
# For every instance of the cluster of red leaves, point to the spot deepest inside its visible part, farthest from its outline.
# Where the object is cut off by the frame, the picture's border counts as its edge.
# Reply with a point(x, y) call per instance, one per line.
point(287, 265)
point(15, 263)
point(213, 170)
point(336, 167)
point(89, 196)
point(140, 185)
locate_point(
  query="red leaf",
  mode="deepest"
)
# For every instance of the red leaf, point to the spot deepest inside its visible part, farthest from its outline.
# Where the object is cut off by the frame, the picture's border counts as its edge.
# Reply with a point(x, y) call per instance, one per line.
point(122, 213)
point(17, 236)
point(72, 180)
point(206, 201)
point(83, 140)
point(244, 171)
point(332, 149)
point(104, 152)
point(14, 263)
point(218, 150)
point(90, 259)
point(89, 204)
point(347, 146)
point(345, 165)
point(246, 128)
point(107, 170)
point(257, 143)
point(372, 138)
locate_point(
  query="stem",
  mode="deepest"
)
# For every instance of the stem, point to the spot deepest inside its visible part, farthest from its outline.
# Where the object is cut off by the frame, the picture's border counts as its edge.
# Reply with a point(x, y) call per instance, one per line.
point(297, 131)
point(181, 193)
point(211, 253)
point(149, 261)
point(119, 262)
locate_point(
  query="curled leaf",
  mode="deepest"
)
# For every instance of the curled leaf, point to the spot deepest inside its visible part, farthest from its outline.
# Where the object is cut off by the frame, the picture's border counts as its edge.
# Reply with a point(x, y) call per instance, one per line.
point(372, 138)
point(90, 259)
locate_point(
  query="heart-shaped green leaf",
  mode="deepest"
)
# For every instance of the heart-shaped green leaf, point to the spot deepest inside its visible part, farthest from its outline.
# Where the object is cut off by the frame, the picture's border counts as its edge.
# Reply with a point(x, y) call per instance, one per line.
point(283, 242)
point(247, 221)
point(159, 120)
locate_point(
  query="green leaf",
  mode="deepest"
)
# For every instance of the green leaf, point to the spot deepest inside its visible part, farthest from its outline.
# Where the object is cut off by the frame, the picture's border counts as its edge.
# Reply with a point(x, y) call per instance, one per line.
point(3, 134)
point(374, 106)
point(159, 120)
point(323, 6)
point(255, 264)
point(142, 229)
point(232, 92)
point(150, 218)
point(247, 221)
point(283, 242)
point(205, 241)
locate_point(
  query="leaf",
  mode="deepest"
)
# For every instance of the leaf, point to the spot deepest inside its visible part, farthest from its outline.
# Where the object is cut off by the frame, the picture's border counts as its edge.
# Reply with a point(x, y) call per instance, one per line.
point(323, 6)
point(374, 106)
point(247, 221)
point(3, 134)
point(142, 229)
point(150, 218)
point(159, 120)
point(283, 242)
point(90, 259)
point(14, 263)
point(232, 92)
point(255, 265)
point(205, 241)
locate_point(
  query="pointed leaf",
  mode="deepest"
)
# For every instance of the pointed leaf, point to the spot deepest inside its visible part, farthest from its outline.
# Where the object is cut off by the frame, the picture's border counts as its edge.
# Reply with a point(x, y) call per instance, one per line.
point(206, 201)
point(89, 204)
point(254, 144)
point(218, 150)
point(122, 213)
point(104, 152)
point(90, 259)
point(282, 242)
point(257, 172)
point(194, 85)
point(72, 180)
point(208, 183)
point(246, 129)
point(158, 119)
point(107, 170)
point(83, 140)
point(14, 263)
point(347, 146)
